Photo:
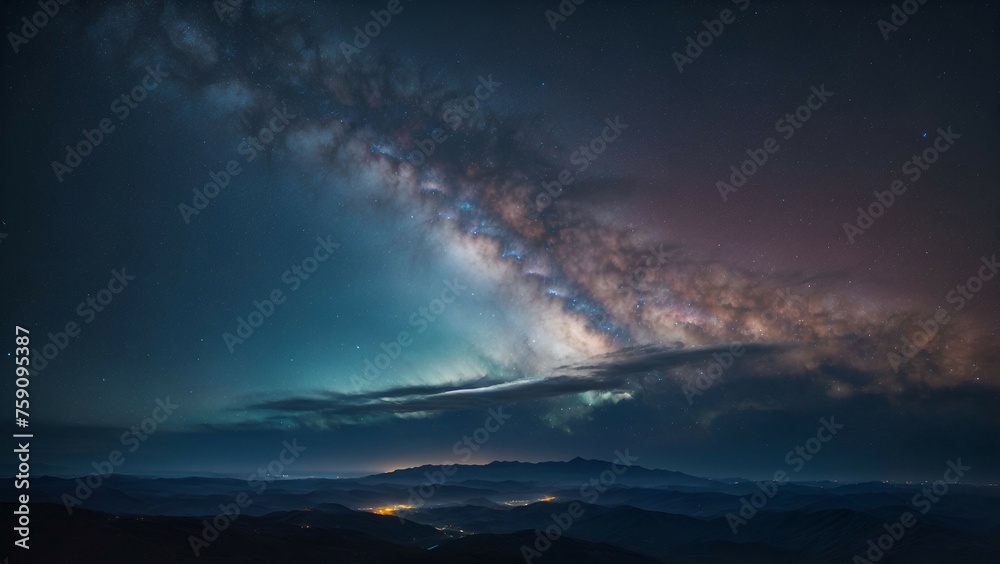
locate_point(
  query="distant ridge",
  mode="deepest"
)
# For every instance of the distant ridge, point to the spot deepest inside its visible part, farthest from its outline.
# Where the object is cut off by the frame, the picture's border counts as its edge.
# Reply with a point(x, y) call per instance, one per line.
point(577, 471)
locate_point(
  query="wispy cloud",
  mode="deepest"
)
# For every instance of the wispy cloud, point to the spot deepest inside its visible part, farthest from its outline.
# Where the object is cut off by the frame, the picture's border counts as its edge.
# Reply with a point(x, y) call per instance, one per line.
point(611, 372)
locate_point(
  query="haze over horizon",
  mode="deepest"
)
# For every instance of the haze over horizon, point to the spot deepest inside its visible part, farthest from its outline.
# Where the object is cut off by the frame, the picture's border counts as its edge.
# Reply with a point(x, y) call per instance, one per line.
point(350, 475)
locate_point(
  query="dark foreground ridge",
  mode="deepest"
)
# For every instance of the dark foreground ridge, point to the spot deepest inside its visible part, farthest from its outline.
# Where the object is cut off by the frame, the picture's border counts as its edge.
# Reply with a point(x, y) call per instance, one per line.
point(550, 512)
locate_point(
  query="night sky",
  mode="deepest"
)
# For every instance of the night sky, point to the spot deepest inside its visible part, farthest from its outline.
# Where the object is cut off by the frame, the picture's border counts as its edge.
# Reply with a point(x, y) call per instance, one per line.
point(394, 203)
